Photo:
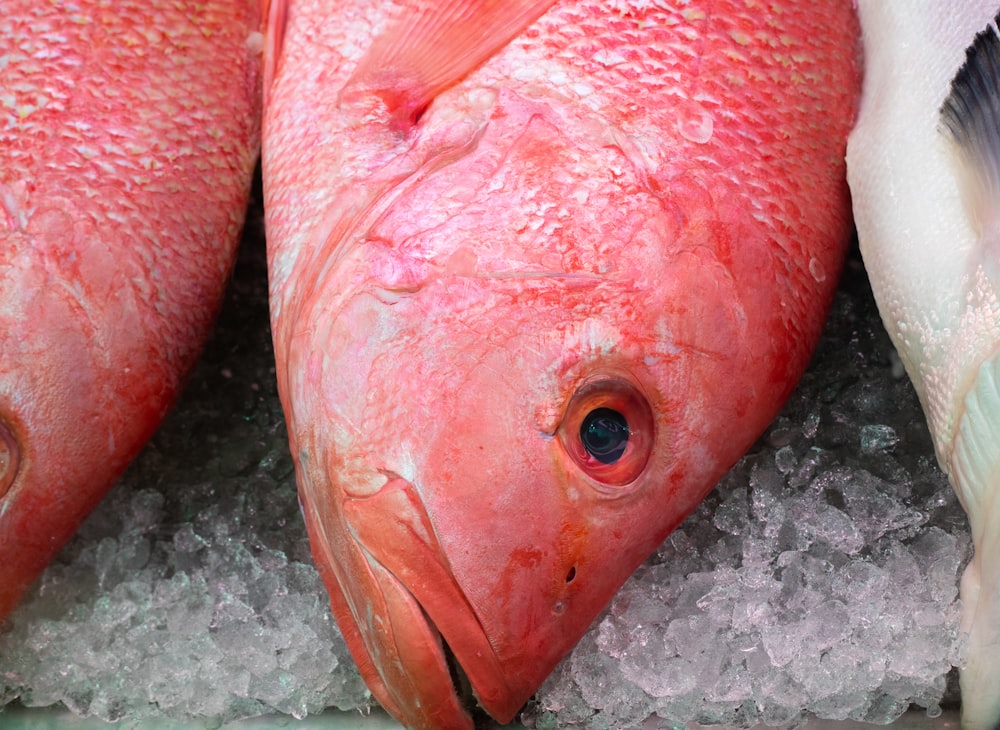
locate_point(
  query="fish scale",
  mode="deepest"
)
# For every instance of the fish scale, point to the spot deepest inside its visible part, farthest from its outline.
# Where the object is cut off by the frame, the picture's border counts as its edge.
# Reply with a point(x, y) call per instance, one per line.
point(626, 222)
point(128, 135)
point(923, 171)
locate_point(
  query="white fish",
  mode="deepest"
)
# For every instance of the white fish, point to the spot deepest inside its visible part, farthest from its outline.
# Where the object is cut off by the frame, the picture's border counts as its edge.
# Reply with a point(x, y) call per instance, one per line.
point(924, 170)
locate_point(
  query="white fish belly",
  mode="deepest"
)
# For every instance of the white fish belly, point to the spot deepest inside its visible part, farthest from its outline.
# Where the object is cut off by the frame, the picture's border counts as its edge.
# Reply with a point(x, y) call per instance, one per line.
point(931, 257)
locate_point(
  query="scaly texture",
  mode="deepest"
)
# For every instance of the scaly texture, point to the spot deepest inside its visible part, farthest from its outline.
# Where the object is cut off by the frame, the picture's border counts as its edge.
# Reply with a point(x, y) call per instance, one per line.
point(128, 133)
point(632, 205)
point(926, 224)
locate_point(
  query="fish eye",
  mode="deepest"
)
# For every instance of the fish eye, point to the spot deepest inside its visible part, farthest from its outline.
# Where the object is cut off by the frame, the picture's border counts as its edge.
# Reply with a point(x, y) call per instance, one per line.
point(604, 434)
point(9, 458)
point(608, 430)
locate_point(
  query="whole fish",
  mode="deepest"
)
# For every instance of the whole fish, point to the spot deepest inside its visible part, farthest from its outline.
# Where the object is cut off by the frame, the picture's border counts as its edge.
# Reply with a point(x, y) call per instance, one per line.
point(924, 170)
point(540, 274)
point(128, 136)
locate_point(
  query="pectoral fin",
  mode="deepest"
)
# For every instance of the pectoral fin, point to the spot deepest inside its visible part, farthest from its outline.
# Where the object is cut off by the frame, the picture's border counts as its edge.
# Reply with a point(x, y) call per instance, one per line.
point(430, 47)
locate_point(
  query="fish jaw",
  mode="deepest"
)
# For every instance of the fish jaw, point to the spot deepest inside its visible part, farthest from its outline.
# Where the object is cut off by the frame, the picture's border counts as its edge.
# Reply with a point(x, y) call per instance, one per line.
point(414, 630)
point(382, 624)
point(400, 606)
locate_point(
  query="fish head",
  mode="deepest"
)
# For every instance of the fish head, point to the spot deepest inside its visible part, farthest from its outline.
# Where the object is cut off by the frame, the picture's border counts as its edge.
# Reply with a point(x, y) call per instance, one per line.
point(485, 454)
point(69, 408)
point(124, 173)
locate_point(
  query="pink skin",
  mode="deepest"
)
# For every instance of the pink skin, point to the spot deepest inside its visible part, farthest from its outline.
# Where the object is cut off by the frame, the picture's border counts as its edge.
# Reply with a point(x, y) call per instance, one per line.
point(659, 232)
point(125, 163)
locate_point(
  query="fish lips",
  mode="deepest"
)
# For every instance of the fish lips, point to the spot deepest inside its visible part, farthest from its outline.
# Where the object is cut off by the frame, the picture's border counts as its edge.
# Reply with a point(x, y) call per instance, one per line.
point(402, 612)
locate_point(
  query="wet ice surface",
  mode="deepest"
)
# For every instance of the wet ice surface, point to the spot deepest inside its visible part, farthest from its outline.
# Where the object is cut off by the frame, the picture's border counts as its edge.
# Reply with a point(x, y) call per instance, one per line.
point(821, 576)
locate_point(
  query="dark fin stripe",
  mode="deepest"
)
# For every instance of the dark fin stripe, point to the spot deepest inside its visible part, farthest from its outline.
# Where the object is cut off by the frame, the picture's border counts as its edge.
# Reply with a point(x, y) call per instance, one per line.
point(971, 115)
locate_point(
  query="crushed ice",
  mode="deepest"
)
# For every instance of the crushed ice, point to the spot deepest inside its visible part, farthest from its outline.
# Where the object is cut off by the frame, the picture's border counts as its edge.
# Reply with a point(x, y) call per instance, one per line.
point(820, 577)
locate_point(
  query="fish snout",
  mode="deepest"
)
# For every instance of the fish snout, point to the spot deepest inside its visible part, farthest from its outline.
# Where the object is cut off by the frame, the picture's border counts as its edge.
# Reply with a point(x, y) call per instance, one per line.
point(413, 632)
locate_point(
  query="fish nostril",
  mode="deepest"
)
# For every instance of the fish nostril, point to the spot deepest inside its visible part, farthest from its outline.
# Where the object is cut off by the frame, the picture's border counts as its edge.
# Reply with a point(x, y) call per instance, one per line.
point(10, 457)
point(571, 575)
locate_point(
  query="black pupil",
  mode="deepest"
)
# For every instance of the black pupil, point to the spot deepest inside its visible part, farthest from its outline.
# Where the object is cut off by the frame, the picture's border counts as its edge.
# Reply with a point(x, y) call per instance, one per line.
point(604, 434)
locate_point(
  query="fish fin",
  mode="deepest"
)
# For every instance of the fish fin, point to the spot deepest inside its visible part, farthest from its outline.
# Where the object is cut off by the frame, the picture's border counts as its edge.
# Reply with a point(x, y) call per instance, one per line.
point(429, 47)
point(976, 478)
point(970, 115)
point(975, 459)
point(275, 13)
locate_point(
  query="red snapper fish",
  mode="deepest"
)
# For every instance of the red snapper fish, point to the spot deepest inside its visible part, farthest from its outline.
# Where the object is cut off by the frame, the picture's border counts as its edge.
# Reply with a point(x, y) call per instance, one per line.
point(128, 135)
point(540, 274)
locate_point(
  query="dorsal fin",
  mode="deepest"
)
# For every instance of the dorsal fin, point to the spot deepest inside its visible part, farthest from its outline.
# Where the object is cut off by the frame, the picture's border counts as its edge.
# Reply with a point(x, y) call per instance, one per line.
point(431, 46)
point(971, 116)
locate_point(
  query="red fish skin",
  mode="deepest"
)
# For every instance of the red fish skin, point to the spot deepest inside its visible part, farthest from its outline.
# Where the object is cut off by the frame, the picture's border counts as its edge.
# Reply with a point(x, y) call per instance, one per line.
point(642, 189)
point(128, 136)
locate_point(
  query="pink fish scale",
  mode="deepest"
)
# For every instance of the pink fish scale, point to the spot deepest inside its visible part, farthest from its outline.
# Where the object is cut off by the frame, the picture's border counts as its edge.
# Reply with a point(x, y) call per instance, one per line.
point(128, 134)
point(610, 209)
point(684, 77)
point(114, 149)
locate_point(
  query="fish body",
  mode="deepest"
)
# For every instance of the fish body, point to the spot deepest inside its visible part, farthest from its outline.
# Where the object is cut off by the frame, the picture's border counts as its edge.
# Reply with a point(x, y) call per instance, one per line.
point(540, 274)
point(128, 135)
point(922, 165)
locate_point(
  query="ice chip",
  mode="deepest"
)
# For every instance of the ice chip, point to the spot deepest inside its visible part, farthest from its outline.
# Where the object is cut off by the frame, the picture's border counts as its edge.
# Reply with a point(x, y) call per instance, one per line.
point(831, 525)
point(785, 459)
point(877, 437)
point(733, 513)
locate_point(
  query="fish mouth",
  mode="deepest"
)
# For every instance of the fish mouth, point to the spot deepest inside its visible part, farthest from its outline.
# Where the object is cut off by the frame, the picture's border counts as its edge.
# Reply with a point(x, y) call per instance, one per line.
point(411, 629)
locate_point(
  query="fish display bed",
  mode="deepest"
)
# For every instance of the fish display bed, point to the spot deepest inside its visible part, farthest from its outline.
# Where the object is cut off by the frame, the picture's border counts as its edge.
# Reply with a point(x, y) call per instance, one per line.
point(819, 580)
